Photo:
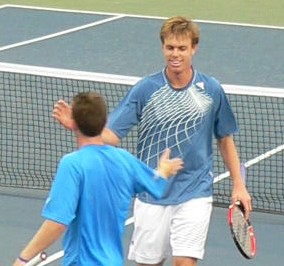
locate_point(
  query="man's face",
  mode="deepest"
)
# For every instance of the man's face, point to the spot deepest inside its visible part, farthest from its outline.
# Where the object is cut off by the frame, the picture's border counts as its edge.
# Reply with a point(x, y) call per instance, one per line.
point(178, 52)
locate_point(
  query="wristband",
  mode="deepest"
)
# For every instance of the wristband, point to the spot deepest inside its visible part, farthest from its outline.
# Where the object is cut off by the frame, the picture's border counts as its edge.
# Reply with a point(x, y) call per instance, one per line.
point(23, 260)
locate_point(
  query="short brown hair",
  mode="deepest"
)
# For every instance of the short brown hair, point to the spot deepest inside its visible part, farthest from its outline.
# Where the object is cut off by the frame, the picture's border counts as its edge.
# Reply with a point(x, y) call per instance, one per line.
point(89, 112)
point(180, 26)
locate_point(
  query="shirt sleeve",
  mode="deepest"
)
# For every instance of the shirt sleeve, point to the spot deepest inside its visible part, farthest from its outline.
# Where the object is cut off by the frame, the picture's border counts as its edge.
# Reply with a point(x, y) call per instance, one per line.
point(225, 121)
point(148, 180)
point(63, 198)
point(128, 112)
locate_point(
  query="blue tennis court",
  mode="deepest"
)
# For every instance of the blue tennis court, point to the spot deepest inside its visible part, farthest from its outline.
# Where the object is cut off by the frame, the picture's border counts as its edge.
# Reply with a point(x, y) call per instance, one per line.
point(119, 44)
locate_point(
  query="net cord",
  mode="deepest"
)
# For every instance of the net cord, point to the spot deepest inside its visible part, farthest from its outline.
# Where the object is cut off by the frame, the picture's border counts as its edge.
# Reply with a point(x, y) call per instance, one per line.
point(126, 80)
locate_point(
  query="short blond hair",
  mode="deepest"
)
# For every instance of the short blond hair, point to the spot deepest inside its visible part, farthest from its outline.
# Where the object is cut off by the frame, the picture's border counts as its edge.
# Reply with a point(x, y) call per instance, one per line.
point(179, 26)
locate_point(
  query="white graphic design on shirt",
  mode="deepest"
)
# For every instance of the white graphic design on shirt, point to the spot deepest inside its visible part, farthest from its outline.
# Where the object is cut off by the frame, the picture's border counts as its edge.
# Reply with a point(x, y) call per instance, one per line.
point(170, 119)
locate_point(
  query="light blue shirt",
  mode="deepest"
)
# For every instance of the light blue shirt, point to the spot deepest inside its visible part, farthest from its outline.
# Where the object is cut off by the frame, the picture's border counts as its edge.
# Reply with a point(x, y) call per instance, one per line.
point(91, 194)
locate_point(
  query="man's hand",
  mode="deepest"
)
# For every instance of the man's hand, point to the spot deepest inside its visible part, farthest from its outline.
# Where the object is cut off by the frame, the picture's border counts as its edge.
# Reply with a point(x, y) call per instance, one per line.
point(168, 167)
point(240, 193)
point(63, 114)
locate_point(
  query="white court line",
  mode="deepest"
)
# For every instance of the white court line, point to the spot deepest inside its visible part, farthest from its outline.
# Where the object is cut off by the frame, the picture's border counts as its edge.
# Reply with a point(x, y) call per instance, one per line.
point(116, 16)
point(144, 16)
point(253, 161)
point(53, 35)
point(3, 6)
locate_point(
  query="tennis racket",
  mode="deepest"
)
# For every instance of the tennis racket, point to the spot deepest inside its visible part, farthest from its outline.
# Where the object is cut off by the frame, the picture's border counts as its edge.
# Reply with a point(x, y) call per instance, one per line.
point(241, 229)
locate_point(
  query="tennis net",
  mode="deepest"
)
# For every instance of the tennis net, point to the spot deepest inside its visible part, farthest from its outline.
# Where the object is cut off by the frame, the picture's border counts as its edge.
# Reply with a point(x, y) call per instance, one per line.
point(32, 142)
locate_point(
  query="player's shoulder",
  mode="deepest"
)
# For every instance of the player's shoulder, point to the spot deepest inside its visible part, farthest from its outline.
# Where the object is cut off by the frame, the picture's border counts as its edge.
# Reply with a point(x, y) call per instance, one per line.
point(70, 157)
point(79, 154)
point(127, 157)
point(123, 152)
point(148, 85)
point(69, 161)
point(207, 79)
point(207, 82)
point(154, 79)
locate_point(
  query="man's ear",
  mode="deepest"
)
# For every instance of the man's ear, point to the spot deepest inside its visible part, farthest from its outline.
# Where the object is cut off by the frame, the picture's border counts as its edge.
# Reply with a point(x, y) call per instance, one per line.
point(194, 49)
point(74, 125)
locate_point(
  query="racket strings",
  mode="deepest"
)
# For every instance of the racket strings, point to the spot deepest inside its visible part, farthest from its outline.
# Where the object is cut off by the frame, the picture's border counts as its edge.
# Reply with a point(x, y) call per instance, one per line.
point(241, 230)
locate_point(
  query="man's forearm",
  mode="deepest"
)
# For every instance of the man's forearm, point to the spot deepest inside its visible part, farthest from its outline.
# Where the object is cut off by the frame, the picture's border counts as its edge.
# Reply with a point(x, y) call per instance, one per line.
point(110, 137)
point(48, 233)
point(231, 158)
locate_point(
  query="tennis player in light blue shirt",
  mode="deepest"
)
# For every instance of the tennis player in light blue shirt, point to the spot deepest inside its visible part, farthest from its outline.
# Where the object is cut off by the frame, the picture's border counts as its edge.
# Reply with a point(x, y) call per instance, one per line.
point(92, 192)
point(91, 195)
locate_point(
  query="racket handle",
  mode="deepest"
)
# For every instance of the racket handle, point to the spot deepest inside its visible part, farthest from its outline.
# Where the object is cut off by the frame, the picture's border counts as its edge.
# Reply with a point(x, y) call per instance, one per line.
point(37, 259)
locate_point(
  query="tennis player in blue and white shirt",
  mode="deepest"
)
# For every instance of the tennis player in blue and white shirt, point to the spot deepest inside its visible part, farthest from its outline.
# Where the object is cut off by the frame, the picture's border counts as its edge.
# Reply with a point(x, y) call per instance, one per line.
point(181, 109)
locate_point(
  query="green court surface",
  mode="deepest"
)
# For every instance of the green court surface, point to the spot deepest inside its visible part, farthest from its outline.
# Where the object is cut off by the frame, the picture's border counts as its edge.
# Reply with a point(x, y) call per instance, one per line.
point(254, 12)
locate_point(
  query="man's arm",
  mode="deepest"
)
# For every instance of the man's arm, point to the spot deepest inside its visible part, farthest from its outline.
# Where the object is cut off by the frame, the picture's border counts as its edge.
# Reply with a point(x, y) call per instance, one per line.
point(231, 159)
point(47, 234)
point(109, 137)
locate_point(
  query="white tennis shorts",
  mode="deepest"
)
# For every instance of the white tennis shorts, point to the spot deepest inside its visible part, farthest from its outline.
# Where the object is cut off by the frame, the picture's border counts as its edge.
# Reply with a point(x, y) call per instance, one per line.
point(177, 230)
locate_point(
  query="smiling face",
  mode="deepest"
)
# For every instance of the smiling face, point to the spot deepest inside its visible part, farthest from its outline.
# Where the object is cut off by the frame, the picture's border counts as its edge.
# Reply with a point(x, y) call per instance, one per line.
point(179, 37)
point(178, 51)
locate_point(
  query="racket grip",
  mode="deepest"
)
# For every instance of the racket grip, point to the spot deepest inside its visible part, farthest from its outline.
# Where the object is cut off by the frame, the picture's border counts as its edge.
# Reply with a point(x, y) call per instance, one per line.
point(37, 259)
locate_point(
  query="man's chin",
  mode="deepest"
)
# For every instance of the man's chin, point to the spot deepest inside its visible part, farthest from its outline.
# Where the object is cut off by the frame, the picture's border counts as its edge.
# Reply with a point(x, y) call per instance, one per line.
point(176, 70)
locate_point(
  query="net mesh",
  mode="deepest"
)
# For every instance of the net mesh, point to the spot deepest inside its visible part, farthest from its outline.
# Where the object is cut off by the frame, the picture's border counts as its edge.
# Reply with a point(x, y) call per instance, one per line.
point(32, 142)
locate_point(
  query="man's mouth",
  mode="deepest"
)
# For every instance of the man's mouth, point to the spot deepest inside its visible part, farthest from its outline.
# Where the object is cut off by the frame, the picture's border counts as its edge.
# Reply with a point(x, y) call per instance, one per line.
point(175, 63)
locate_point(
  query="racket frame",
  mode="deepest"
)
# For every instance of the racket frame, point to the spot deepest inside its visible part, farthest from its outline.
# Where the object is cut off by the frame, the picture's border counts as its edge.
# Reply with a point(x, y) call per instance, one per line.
point(250, 231)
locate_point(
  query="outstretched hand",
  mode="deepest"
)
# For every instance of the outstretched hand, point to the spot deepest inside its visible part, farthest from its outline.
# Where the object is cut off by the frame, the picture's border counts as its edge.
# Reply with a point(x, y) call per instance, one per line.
point(168, 167)
point(62, 113)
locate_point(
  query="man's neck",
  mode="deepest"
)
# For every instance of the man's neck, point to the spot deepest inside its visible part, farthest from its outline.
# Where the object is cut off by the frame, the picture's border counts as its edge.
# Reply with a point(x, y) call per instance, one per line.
point(84, 141)
point(180, 80)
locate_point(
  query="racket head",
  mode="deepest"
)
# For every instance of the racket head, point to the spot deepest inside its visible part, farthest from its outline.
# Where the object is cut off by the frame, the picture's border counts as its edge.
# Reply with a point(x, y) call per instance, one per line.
point(242, 230)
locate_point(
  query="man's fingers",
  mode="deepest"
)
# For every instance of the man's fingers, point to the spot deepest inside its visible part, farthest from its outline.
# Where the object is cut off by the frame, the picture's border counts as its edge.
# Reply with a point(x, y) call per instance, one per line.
point(60, 108)
point(165, 155)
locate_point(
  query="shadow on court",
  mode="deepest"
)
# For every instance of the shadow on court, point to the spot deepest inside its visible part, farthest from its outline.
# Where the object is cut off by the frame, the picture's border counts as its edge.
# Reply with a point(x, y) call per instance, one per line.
point(20, 218)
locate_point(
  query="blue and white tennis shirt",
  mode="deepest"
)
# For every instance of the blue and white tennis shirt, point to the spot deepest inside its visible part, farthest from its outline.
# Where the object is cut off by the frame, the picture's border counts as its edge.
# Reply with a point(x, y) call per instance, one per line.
point(183, 120)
